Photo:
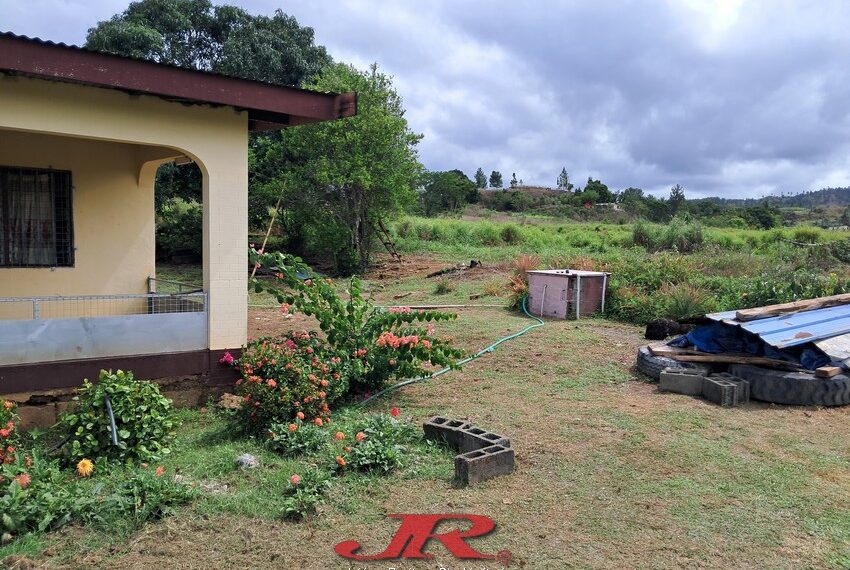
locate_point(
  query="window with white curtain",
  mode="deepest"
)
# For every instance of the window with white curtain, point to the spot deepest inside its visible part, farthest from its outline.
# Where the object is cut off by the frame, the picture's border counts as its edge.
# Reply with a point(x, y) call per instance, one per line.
point(36, 228)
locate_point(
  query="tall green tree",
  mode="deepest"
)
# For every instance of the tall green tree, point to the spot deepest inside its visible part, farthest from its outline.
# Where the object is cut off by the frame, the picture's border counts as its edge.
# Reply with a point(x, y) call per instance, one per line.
point(348, 175)
point(446, 191)
point(600, 190)
point(514, 181)
point(223, 39)
point(564, 181)
point(676, 200)
point(480, 178)
point(496, 179)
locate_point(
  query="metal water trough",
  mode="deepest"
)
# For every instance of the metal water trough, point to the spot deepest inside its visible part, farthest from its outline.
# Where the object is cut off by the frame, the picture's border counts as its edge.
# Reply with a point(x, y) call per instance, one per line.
point(565, 293)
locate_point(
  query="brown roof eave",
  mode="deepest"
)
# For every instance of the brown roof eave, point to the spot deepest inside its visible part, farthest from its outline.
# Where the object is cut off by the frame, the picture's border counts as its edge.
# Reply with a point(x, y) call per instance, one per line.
point(268, 106)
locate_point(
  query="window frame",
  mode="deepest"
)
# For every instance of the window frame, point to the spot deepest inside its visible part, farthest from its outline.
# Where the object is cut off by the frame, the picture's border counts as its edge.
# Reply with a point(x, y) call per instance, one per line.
point(5, 240)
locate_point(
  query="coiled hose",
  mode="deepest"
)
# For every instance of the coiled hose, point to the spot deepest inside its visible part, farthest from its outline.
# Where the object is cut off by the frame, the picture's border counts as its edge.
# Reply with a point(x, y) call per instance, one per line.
point(478, 354)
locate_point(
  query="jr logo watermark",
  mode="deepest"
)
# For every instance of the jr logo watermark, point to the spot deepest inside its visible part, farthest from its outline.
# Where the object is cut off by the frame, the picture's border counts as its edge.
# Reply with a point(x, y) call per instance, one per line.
point(415, 532)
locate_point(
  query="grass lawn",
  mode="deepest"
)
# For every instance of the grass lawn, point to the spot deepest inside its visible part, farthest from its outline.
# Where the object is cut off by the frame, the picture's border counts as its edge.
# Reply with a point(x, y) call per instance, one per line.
point(611, 473)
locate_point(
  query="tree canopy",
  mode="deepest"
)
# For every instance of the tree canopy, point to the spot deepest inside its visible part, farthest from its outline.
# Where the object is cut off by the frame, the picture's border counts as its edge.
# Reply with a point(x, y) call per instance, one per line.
point(480, 178)
point(345, 176)
point(496, 179)
point(224, 39)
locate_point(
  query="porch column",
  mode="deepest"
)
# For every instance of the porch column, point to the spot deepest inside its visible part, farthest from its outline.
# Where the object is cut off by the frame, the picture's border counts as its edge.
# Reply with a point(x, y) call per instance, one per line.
point(226, 243)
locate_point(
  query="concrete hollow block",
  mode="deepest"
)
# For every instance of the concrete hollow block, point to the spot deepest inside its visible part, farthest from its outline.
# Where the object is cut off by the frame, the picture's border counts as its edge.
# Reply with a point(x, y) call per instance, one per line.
point(445, 430)
point(682, 381)
point(473, 438)
point(485, 463)
point(742, 387)
point(720, 391)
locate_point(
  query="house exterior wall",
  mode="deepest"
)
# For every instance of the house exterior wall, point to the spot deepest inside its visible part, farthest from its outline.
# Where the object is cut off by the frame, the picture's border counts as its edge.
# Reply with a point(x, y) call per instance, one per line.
point(112, 217)
point(215, 137)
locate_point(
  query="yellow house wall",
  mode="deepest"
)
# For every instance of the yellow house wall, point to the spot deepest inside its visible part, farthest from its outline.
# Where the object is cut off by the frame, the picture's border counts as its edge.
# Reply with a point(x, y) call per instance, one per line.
point(116, 181)
point(112, 213)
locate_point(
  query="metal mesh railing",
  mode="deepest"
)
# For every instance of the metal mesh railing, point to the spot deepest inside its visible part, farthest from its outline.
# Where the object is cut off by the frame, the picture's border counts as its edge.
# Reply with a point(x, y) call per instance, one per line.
point(22, 308)
point(156, 285)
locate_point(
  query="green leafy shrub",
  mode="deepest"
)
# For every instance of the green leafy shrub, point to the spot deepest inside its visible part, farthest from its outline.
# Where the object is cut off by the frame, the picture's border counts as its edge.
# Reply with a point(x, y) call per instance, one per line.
point(305, 492)
point(643, 235)
point(296, 438)
point(381, 445)
point(373, 346)
point(179, 227)
point(511, 234)
point(685, 301)
point(807, 234)
point(840, 250)
point(288, 377)
point(132, 498)
point(143, 416)
point(444, 286)
point(681, 236)
point(35, 496)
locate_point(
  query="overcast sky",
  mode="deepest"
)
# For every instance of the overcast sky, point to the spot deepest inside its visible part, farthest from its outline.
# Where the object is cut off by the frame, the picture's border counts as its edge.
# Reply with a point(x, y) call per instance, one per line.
point(732, 98)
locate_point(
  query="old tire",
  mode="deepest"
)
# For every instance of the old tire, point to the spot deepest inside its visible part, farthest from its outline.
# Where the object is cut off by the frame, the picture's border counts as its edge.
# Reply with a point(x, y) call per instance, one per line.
point(653, 365)
point(794, 388)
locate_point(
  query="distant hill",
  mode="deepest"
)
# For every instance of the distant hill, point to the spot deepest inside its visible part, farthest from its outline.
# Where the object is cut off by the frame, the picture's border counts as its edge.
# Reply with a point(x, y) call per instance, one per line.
point(824, 197)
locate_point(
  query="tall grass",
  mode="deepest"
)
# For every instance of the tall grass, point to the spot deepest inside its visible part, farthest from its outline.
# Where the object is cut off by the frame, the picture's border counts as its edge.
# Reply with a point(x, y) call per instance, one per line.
point(675, 270)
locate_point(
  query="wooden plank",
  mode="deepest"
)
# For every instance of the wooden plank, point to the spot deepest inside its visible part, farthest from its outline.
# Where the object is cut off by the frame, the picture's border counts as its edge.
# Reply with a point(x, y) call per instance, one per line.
point(795, 307)
point(828, 371)
point(686, 355)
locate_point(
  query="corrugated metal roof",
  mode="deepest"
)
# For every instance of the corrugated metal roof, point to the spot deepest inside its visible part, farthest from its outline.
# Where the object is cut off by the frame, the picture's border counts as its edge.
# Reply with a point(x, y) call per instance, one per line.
point(794, 328)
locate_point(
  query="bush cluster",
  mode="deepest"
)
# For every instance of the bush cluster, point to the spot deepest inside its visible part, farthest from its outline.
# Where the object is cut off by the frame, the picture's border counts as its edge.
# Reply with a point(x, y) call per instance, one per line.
point(285, 377)
point(366, 346)
point(143, 417)
point(376, 444)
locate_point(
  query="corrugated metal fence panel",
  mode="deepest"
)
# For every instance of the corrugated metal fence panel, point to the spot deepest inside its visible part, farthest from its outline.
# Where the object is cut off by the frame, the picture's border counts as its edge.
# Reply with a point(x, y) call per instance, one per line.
point(837, 347)
point(23, 342)
point(795, 328)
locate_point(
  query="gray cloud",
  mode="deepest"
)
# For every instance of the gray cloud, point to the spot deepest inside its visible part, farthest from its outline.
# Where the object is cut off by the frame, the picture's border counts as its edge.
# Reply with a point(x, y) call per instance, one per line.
point(726, 97)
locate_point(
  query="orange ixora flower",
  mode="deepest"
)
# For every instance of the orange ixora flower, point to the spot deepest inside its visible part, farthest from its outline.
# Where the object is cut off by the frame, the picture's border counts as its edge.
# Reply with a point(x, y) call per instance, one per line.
point(8, 404)
point(159, 471)
point(318, 422)
point(394, 412)
point(300, 415)
point(292, 427)
point(340, 461)
point(295, 479)
point(360, 436)
point(23, 480)
point(85, 467)
point(339, 436)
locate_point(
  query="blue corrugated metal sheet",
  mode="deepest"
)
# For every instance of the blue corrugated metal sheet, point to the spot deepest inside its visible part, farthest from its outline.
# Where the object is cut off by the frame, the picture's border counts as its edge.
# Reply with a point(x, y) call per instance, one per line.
point(796, 328)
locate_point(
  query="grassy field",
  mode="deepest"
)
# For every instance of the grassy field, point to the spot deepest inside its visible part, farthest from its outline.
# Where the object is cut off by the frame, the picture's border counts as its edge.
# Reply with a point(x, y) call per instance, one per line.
point(678, 271)
point(611, 473)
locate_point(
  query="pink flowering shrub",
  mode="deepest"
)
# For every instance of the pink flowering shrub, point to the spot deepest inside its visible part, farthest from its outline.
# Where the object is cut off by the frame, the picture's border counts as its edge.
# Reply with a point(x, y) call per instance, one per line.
point(292, 377)
point(376, 346)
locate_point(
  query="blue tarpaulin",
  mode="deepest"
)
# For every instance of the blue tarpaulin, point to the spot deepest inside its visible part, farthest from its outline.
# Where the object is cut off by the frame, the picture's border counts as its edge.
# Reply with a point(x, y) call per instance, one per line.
point(720, 337)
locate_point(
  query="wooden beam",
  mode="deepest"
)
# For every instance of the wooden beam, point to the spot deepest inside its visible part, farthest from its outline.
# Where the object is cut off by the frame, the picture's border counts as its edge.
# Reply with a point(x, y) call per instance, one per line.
point(828, 371)
point(795, 307)
point(685, 355)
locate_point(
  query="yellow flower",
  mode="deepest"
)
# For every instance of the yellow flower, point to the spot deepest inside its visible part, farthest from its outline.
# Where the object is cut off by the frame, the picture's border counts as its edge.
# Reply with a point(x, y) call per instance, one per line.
point(85, 467)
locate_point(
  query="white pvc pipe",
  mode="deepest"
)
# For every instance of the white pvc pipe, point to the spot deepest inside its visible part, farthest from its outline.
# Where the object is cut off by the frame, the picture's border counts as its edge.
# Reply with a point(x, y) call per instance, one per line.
point(578, 296)
point(543, 299)
point(604, 289)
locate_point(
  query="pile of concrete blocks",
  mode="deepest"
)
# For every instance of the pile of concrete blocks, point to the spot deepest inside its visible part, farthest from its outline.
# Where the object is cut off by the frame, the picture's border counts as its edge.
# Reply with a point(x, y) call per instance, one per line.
point(722, 388)
point(483, 454)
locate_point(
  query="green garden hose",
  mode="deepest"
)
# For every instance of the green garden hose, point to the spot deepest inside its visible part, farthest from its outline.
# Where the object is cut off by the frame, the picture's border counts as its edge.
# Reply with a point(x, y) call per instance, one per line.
point(487, 350)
